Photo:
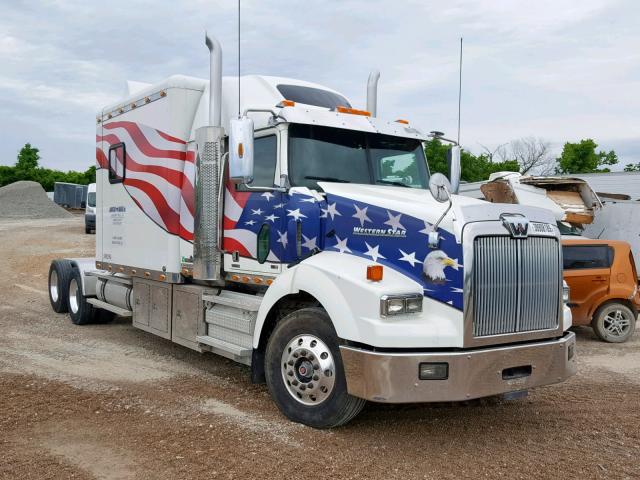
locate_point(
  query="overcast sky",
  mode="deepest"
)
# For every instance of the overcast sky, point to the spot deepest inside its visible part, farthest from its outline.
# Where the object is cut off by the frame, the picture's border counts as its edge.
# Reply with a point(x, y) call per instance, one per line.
point(560, 70)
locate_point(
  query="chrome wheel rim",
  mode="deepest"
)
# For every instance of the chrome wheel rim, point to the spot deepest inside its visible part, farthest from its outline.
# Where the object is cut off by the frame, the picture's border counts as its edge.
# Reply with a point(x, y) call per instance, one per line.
point(53, 285)
point(73, 296)
point(308, 369)
point(617, 323)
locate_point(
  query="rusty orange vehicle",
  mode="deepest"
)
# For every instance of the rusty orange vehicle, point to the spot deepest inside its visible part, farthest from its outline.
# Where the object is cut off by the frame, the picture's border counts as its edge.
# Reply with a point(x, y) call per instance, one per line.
point(603, 283)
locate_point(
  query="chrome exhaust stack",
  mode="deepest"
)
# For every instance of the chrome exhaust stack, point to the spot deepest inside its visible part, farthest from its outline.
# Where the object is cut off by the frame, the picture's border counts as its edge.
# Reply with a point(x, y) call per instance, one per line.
point(209, 182)
point(372, 92)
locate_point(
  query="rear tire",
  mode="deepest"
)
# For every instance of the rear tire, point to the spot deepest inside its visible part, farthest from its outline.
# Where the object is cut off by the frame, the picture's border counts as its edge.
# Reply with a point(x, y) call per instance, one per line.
point(80, 311)
point(614, 322)
point(59, 275)
point(301, 357)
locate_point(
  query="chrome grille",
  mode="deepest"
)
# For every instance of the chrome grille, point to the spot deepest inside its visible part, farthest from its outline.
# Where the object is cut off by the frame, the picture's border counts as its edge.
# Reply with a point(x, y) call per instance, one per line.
point(516, 285)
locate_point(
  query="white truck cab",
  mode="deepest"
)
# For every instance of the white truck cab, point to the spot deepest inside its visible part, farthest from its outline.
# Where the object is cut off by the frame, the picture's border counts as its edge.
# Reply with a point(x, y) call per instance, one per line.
point(307, 239)
point(90, 209)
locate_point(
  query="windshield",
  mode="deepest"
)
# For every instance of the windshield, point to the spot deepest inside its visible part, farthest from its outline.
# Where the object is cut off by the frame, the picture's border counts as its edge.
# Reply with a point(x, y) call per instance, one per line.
point(91, 199)
point(328, 154)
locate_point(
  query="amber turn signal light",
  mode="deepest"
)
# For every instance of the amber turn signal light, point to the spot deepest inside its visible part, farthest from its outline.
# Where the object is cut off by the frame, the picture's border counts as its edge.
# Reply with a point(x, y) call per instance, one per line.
point(374, 273)
point(352, 111)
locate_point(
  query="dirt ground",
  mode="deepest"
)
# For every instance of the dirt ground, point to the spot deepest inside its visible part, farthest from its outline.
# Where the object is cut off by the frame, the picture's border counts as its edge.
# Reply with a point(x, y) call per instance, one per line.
point(112, 402)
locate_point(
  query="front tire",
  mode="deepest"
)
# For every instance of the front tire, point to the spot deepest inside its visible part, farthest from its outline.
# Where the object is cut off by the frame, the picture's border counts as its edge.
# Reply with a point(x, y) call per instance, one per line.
point(304, 371)
point(59, 275)
point(614, 322)
point(80, 311)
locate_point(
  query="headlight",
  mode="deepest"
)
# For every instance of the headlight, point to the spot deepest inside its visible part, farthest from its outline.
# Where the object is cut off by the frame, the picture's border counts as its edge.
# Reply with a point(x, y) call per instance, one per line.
point(565, 292)
point(399, 304)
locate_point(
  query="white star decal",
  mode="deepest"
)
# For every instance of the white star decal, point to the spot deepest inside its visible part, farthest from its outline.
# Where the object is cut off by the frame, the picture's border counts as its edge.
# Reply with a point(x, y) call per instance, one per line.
point(331, 211)
point(373, 252)
point(295, 214)
point(341, 246)
point(283, 238)
point(309, 200)
point(268, 196)
point(394, 221)
point(361, 215)
point(409, 258)
point(256, 212)
point(271, 218)
point(428, 228)
point(250, 222)
point(309, 243)
point(456, 290)
point(280, 205)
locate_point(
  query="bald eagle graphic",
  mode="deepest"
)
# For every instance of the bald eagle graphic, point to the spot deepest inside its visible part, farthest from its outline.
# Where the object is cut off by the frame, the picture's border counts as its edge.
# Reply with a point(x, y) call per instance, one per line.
point(434, 265)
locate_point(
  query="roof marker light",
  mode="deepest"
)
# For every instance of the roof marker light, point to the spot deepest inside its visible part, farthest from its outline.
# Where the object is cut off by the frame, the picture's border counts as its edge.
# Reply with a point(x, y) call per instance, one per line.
point(352, 111)
point(286, 103)
point(400, 120)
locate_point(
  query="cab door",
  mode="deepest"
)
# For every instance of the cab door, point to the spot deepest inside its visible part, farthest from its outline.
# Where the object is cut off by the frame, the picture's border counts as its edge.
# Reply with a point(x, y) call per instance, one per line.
point(587, 271)
point(254, 213)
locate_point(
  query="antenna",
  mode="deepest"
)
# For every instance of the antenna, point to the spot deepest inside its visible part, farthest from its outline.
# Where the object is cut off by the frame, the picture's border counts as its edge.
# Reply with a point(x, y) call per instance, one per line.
point(238, 58)
point(459, 89)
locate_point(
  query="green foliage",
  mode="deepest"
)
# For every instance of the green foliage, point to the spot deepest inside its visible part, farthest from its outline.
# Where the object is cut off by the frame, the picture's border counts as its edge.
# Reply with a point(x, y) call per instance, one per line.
point(26, 168)
point(582, 158)
point(632, 167)
point(27, 160)
point(475, 168)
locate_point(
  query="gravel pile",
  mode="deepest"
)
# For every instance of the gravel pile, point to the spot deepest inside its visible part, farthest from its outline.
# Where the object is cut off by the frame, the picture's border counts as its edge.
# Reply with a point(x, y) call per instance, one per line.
point(28, 200)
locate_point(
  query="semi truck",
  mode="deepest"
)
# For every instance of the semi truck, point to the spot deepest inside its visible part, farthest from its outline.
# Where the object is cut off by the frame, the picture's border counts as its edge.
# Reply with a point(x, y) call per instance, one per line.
point(268, 220)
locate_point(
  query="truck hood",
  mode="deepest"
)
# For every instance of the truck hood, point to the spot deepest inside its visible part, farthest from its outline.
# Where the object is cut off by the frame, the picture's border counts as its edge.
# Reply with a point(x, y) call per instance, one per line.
point(390, 225)
point(420, 204)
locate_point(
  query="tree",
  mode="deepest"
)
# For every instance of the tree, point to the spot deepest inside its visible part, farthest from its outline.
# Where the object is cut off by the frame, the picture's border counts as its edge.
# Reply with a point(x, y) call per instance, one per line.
point(532, 154)
point(631, 167)
point(474, 168)
point(582, 158)
point(26, 168)
point(27, 162)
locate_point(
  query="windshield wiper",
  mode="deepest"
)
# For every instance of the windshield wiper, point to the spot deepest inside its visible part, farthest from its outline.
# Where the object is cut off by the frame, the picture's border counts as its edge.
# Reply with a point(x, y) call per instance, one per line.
point(326, 179)
point(391, 182)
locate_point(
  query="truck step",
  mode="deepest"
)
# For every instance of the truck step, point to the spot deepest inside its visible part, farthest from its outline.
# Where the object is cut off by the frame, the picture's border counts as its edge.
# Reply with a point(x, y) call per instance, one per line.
point(111, 308)
point(222, 346)
point(242, 301)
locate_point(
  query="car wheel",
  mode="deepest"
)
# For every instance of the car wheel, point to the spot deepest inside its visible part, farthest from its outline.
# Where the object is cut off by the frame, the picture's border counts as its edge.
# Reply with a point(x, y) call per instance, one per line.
point(614, 322)
point(59, 274)
point(80, 311)
point(304, 371)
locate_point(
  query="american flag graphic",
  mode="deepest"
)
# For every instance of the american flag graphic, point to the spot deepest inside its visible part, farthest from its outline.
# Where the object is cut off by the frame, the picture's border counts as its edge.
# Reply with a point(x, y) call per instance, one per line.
point(396, 240)
point(159, 173)
point(159, 176)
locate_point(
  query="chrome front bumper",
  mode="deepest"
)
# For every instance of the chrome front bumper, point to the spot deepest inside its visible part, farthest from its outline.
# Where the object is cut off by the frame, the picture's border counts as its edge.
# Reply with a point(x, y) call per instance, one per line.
point(394, 377)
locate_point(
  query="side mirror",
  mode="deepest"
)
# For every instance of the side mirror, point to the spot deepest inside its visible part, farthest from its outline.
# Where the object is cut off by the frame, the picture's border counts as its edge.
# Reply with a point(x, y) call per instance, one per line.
point(241, 150)
point(440, 187)
point(453, 159)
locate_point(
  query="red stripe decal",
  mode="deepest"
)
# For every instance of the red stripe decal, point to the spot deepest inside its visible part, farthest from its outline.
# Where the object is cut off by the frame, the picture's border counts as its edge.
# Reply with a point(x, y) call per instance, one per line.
point(168, 137)
point(231, 245)
point(143, 144)
point(170, 218)
point(101, 159)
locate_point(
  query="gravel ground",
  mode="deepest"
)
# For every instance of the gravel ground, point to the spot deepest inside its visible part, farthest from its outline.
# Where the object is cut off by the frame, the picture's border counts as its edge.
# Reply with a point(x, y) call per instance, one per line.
point(113, 402)
point(26, 199)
